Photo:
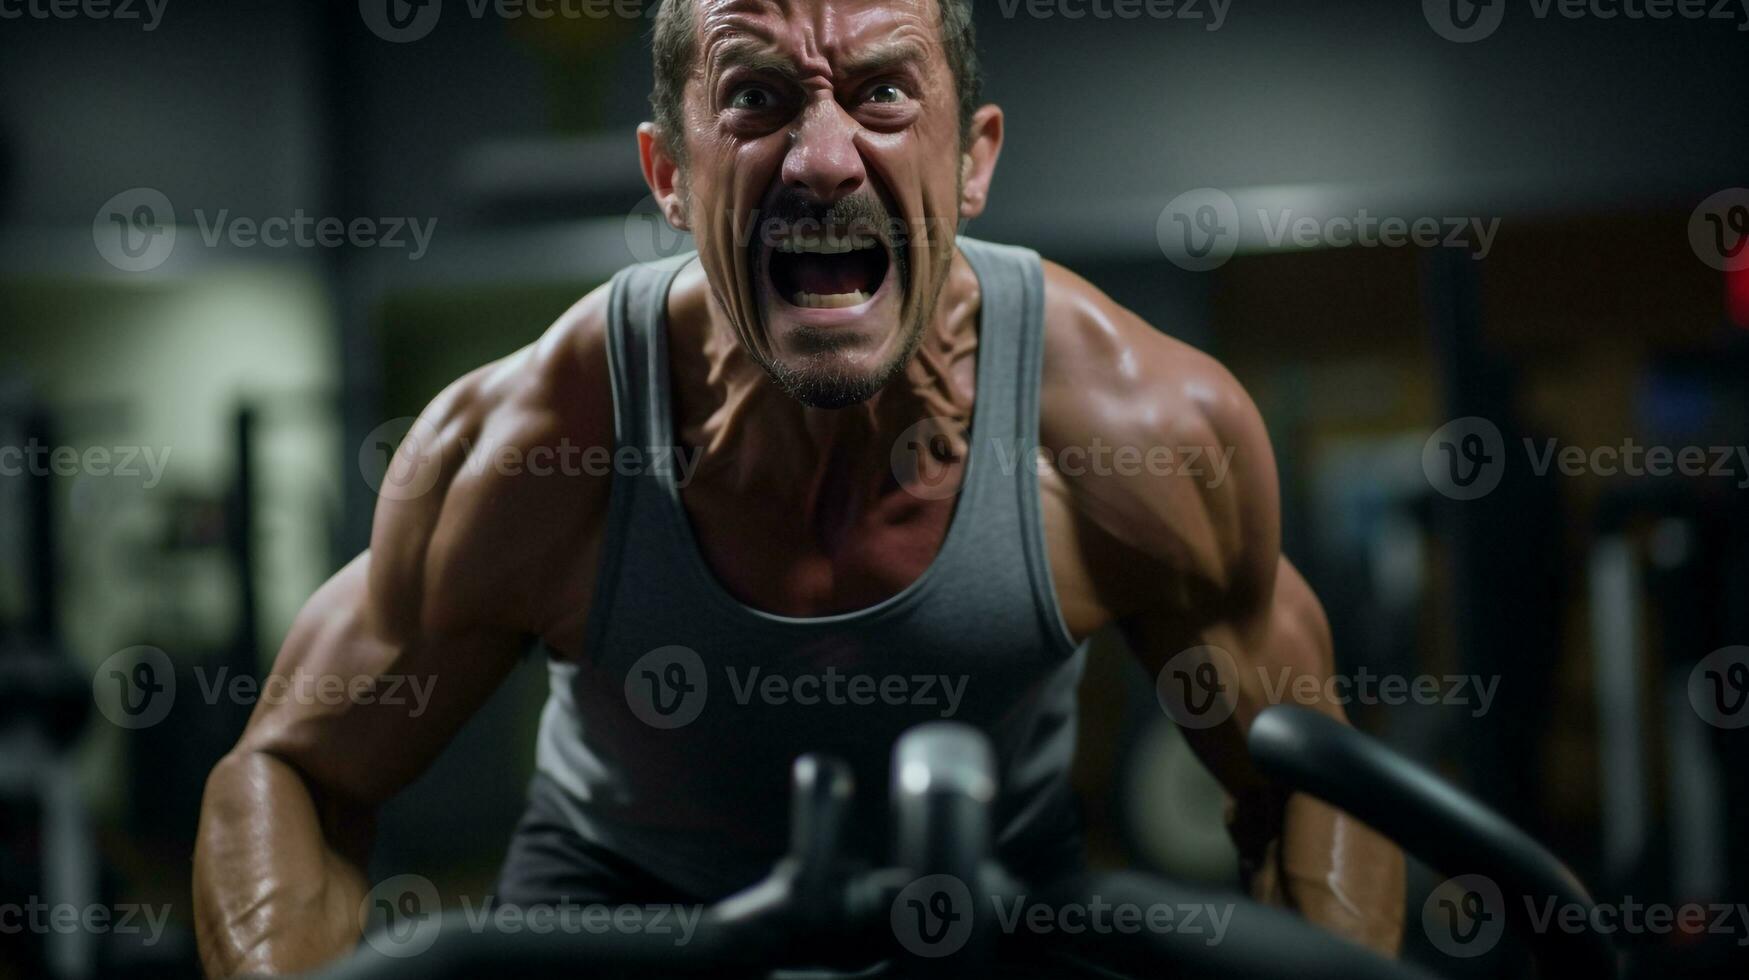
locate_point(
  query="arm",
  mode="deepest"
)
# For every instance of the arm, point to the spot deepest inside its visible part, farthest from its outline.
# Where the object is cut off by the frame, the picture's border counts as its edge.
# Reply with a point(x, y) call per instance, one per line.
point(1295, 851)
point(1189, 560)
point(456, 582)
point(287, 819)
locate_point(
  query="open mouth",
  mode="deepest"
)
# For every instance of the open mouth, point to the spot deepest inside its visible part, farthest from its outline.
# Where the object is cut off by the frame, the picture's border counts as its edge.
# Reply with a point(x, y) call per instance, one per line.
point(831, 270)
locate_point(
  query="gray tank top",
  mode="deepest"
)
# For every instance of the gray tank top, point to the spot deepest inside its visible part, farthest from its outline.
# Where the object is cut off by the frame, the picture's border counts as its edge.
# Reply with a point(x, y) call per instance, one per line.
point(672, 742)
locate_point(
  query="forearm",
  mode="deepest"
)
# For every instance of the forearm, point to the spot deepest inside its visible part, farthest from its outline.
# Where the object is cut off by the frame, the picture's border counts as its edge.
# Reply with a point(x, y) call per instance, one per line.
point(1337, 873)
point(277, 887)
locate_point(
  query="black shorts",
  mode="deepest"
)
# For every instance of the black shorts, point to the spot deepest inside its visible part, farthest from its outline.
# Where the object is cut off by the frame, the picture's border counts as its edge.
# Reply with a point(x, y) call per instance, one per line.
point(549, 864)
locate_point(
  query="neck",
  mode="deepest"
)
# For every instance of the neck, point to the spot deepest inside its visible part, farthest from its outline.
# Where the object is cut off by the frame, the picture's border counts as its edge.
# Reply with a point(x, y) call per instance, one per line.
point(756, 436)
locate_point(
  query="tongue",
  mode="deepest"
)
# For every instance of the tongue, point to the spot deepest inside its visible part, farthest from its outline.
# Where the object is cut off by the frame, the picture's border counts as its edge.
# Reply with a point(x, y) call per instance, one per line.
point(830, 275)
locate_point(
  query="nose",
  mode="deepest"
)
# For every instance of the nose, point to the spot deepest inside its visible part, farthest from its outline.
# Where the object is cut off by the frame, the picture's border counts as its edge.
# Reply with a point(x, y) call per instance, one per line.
point(823, 157)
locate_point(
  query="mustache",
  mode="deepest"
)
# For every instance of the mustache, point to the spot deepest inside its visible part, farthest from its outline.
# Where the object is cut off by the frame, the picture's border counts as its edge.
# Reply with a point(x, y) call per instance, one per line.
point(862, 213)
point(859, 214)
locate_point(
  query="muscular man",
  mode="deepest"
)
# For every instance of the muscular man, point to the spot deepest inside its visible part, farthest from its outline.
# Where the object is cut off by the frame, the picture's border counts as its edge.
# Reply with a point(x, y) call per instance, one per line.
point(850, 447)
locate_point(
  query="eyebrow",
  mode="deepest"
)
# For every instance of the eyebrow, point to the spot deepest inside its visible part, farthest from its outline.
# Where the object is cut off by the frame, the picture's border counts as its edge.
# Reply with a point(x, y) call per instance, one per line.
point(884, 57)
point(752, 54)
point(881, 58)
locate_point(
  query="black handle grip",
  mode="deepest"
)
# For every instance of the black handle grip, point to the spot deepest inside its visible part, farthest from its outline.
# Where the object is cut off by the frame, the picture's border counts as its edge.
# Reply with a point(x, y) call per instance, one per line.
point(944, 787)
point(944, 784)
point(1432, 820)
point(1212, 936)
point(461, 950)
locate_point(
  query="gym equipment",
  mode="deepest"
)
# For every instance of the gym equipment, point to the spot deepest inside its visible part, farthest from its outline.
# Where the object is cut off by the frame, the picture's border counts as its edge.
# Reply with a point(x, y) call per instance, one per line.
point(1432, 820)
point(937, 910)
point(45, 701)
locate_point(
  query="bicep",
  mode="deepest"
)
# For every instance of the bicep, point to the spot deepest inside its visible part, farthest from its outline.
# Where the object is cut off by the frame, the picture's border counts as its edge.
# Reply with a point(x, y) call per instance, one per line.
point(1214, 677)
point(358, 704)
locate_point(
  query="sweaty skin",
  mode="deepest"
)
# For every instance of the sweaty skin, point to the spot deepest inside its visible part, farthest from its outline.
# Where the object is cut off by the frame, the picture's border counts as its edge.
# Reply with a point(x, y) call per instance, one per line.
point(796, 509)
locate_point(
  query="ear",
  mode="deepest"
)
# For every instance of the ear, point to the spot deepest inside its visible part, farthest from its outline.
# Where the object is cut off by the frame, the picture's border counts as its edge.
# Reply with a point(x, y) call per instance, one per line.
point(662, 175)
point(978, 163)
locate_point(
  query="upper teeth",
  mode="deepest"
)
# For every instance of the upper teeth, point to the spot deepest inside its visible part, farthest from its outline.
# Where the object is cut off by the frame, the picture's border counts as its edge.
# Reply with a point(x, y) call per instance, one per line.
point(831, 244)
point(829, 301)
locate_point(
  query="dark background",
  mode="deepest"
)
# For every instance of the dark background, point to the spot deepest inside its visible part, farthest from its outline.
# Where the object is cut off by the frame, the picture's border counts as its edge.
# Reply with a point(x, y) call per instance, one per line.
point(269, 374)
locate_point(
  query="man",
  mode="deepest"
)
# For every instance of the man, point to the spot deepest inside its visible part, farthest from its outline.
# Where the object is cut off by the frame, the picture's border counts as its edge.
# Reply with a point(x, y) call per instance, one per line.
point(853, 394)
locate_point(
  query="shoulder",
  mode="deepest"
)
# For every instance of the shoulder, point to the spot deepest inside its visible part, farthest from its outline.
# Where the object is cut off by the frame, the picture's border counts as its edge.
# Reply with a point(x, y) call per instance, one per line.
point(1158, 445)
point(1143, 376)
point(498, 481)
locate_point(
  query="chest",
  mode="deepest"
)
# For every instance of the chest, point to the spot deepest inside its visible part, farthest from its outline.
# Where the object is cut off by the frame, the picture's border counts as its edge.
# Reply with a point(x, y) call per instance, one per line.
point(817, 554)
point(769, 552)
point(807, 558)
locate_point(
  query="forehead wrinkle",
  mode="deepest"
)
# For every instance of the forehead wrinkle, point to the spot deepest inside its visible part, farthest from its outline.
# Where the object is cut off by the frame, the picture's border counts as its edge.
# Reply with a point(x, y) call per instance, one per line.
point(742, 33)
point(742, 40)
point(882, 57)
point(883, 45)
point(738, 22)
point(729, 8)
point(748, 52)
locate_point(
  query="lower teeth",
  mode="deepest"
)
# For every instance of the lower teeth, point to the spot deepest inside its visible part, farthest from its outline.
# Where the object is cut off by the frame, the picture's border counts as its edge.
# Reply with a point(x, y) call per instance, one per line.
point(830, 301)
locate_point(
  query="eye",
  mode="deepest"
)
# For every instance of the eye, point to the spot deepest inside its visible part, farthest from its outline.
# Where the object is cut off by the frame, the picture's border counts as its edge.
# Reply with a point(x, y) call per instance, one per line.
point(886, 93)
point(752, 98)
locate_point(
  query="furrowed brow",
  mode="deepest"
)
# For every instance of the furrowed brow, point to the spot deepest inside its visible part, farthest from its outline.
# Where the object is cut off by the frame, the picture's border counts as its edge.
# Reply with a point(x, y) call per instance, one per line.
point(754, 56)
point(883, 58)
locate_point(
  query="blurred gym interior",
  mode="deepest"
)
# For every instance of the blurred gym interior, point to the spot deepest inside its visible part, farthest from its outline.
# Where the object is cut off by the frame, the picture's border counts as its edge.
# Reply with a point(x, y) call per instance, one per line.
point(270, 384)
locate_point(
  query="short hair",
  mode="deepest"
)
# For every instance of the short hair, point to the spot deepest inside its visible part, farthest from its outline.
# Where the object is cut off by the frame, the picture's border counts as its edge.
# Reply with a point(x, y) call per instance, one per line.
point(674, 51)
